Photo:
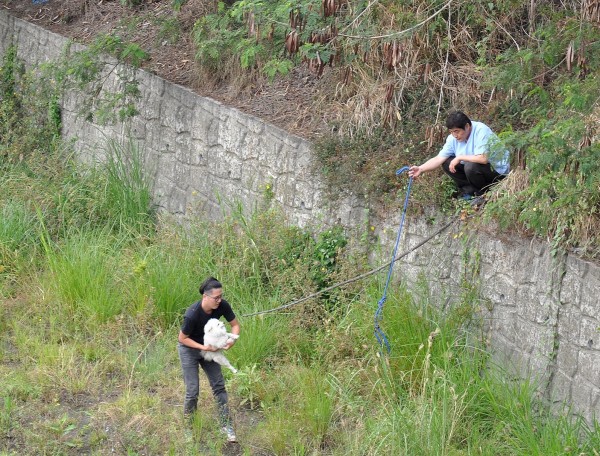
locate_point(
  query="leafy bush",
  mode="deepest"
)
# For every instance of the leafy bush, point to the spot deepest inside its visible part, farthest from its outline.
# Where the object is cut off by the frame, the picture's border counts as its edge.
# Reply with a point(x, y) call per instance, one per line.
point(557, 139)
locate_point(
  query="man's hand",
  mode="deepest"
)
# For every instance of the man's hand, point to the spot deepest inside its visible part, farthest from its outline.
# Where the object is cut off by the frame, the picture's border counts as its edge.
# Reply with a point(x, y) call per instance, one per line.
point(453, 164)
point(414, 171)
point(209, 348)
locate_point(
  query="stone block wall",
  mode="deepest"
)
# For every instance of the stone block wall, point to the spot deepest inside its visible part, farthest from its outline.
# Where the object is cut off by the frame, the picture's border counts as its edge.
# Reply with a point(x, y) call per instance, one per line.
point(196, 150)
point(541, 313)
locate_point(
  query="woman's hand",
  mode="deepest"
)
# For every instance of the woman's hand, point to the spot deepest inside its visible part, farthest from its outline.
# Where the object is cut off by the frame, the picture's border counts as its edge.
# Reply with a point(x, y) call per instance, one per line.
point(229, 344)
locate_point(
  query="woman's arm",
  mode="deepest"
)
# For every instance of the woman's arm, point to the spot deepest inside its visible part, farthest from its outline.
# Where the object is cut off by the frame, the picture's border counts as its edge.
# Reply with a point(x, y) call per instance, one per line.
point(185, 340)
point(235, 329)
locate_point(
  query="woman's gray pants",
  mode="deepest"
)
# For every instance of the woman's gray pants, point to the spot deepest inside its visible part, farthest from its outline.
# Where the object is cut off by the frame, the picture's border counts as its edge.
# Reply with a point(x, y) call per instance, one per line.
point(190, 359)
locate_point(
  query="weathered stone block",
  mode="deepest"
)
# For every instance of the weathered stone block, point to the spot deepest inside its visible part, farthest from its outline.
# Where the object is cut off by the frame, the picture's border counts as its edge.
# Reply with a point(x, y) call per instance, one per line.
point(567, 358)
point(589, 334)
point(582, 396)
point(560, 389)
point(590, 304)
point(569, 324)
point(181, 176)
point(589, 366)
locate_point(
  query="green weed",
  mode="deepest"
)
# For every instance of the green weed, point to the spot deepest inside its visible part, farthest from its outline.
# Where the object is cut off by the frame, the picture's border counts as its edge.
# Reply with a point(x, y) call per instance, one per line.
point(83, 275)
point(127, 192)
point(6, 415)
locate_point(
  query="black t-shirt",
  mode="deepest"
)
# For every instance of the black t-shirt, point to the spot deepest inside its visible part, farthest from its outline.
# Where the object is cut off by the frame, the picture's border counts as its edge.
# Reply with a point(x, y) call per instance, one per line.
point(195, 318)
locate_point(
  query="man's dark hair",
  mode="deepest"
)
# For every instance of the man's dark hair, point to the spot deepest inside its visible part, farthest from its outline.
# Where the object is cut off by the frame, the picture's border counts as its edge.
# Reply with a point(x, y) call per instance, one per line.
point(209, 283)
point(457, 119)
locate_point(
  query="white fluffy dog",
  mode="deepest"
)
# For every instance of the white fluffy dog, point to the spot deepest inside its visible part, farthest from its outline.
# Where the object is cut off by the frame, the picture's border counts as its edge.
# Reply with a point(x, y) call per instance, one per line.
point(216, 334)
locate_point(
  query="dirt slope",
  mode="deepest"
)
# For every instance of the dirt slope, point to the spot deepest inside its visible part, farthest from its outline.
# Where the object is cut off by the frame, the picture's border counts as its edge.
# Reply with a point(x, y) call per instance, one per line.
point(287, 103)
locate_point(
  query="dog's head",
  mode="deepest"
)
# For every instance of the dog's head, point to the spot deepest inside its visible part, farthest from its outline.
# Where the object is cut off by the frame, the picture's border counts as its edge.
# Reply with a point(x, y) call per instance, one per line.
point(215, 327)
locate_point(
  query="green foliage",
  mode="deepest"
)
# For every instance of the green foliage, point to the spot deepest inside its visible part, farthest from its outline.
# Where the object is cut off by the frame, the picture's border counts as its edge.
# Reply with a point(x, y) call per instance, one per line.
point(260, 342)
point(87, 71)
point(128, 199)
point(131, 3)
point(216, 36)
point(84, 275)
point(247, 384)
point(169, 30)
point(559, 111)
point(252, 33)
point(326, 252)
point(275, 67)
point(172, 275)
point(9, 73)
point(177, 4)
point(6, 415)
point(29, 114)
point(18, 239)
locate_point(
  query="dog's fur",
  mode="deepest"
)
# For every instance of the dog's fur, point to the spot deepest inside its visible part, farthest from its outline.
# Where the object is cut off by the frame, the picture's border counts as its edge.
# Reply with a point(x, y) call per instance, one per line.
point(216, 334)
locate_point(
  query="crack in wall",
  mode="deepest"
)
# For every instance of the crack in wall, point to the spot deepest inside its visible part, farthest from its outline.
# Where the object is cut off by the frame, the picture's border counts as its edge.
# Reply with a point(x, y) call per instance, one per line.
point(559, 269)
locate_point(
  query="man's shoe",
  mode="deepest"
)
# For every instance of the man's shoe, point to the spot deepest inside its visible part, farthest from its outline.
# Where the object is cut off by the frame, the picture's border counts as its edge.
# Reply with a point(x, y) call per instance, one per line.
point(478, 201)
point(228, 431)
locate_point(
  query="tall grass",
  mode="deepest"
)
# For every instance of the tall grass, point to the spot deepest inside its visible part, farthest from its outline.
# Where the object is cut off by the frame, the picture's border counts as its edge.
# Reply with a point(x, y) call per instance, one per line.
point(17, 226)
point(128, 198)
point(171, 277)
point(84, 273)
point(18, 240)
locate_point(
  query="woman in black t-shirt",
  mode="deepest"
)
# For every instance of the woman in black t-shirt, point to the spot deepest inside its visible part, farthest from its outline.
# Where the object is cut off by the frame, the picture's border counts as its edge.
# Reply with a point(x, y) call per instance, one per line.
point(191, 341)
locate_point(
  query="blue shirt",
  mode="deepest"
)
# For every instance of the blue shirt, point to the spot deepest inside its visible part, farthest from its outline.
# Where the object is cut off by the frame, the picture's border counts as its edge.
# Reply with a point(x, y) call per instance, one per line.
point(480, 141)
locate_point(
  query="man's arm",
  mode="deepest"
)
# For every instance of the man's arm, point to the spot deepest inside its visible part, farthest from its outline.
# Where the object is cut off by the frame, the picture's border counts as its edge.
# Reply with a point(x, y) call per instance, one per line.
point(481, 159)
point(431, 164)
point(235, 327)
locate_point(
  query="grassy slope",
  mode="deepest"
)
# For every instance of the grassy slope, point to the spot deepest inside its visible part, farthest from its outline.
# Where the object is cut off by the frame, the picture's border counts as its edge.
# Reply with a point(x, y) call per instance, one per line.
point(91, 302)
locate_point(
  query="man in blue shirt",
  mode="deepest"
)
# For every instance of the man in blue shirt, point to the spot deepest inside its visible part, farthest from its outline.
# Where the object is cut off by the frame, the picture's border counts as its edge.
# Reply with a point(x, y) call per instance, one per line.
point(470, 156)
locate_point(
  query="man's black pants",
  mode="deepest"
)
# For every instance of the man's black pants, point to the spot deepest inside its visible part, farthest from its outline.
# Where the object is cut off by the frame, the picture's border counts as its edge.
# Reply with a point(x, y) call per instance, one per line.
point(472, 178)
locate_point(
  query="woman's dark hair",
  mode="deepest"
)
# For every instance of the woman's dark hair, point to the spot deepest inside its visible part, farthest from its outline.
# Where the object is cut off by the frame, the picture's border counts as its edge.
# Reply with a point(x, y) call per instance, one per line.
point(209, 284)
point(457, 119)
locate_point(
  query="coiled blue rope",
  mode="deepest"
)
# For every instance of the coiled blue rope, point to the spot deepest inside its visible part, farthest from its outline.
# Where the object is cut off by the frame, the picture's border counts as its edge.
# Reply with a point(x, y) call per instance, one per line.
point(379, 334)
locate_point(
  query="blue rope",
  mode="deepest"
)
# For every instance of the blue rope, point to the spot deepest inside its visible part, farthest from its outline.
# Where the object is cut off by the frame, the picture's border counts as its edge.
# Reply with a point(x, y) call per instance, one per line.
point(379, 334)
